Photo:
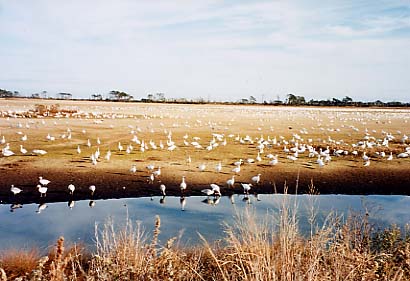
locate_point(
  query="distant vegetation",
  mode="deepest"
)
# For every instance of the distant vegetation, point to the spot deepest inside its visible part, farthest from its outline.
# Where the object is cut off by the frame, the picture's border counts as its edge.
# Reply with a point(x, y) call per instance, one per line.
point(290, 100)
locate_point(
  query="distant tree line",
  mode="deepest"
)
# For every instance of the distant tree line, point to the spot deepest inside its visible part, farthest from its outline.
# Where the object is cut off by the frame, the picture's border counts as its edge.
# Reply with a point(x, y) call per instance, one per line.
point(8, 94)
point(291, 99)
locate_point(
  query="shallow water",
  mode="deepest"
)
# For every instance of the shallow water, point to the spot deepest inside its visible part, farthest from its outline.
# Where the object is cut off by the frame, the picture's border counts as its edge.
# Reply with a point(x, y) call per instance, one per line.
point(25, 227)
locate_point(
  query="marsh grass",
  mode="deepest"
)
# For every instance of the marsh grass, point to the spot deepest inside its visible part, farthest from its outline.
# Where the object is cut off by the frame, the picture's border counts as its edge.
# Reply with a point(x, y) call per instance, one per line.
point(252, 248)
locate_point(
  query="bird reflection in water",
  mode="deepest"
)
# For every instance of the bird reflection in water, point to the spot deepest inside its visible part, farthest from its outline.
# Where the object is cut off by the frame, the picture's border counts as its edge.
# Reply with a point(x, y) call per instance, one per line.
point(41, 207)
point(212, 201)
point(15, 207)
point(162, 200)
point(71, 204)
point(182, 200)
point(91, 204)
point(232, 198)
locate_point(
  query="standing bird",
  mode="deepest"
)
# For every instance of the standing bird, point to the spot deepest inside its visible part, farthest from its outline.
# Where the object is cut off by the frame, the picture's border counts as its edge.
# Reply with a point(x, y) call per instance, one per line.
point(231, 181)
point(183, 184)
point(22, 149)
point(162, 188)
point(92, 189)
point(151, 178)
point(133, 169)
point(202, 167)
point(71, 188)
point(108, 155)
point(150, 167)
point(157, 173)
point(256, 179)
point(78, 149)
point(42, 190)
point(216, 189)
point(218, 167)
point(15, 190)
point(43, 181)
point(246, 187)
point(237, 169)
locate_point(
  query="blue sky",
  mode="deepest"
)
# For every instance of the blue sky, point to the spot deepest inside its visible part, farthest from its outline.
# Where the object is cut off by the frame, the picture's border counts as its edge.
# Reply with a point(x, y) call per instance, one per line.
point(222, 50)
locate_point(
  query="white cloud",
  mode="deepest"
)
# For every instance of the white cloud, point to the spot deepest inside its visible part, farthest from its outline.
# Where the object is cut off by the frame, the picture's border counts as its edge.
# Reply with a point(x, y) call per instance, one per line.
point(201, 48)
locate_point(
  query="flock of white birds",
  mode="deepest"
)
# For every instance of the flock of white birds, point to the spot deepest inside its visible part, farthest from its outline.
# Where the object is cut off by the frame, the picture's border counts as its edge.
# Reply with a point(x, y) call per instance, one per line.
point(211, 137)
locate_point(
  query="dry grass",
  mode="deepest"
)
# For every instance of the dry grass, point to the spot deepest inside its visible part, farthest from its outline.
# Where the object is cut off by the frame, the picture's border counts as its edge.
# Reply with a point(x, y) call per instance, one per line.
point(269, 248)
point(18, 262)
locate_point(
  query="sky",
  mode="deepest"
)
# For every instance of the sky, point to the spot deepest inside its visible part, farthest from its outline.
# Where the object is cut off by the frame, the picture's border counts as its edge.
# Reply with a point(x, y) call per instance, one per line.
point(217, 50)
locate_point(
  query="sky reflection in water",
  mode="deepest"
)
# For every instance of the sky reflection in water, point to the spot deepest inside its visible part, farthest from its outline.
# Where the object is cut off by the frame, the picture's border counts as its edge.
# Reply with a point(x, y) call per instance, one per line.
point(24, 227)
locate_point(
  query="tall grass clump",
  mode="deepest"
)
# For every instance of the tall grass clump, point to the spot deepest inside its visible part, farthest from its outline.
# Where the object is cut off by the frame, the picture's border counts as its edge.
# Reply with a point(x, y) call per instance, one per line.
point(271, 247)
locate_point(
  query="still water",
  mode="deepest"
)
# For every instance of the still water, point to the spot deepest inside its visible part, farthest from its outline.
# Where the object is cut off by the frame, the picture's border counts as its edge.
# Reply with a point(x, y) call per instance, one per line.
point(27, 226)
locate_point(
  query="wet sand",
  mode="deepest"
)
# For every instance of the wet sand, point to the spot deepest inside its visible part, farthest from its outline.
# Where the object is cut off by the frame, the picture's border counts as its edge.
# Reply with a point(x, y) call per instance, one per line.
point(115, 184)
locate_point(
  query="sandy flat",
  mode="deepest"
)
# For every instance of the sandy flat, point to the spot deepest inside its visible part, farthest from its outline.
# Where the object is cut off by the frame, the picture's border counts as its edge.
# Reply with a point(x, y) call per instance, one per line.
point(243, 128)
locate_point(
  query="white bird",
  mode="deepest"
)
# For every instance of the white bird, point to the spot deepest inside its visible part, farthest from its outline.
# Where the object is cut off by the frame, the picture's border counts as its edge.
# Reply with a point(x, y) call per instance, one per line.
point(162, 187)
point(15, 190)
point(24, 138)
point(78, 149)
point(42, 190)
point(274, 161)
point(202, 167)
point(237, 169)
point(150, 167)
point(183, 184)
point(120, 147)
point(71, 188)
point(218, 167)
point(320, 162)
point(293, 158)
point(22, 149)
point(151, 178)
point(231, 181)
point(207, 191)
point(367, 163)
point(238, 163)
point(256, 179)
point(216, 189)
point(133, 169)
point(157, 173)
point(39, 151)
point(7, 152)
point(108, 155)
point(246, 187)
point(390, 156)
point(43, 181)
point(92, 189)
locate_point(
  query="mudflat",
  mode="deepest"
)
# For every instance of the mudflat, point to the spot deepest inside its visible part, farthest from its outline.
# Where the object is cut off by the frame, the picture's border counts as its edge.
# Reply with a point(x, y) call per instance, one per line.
point(112, 145)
